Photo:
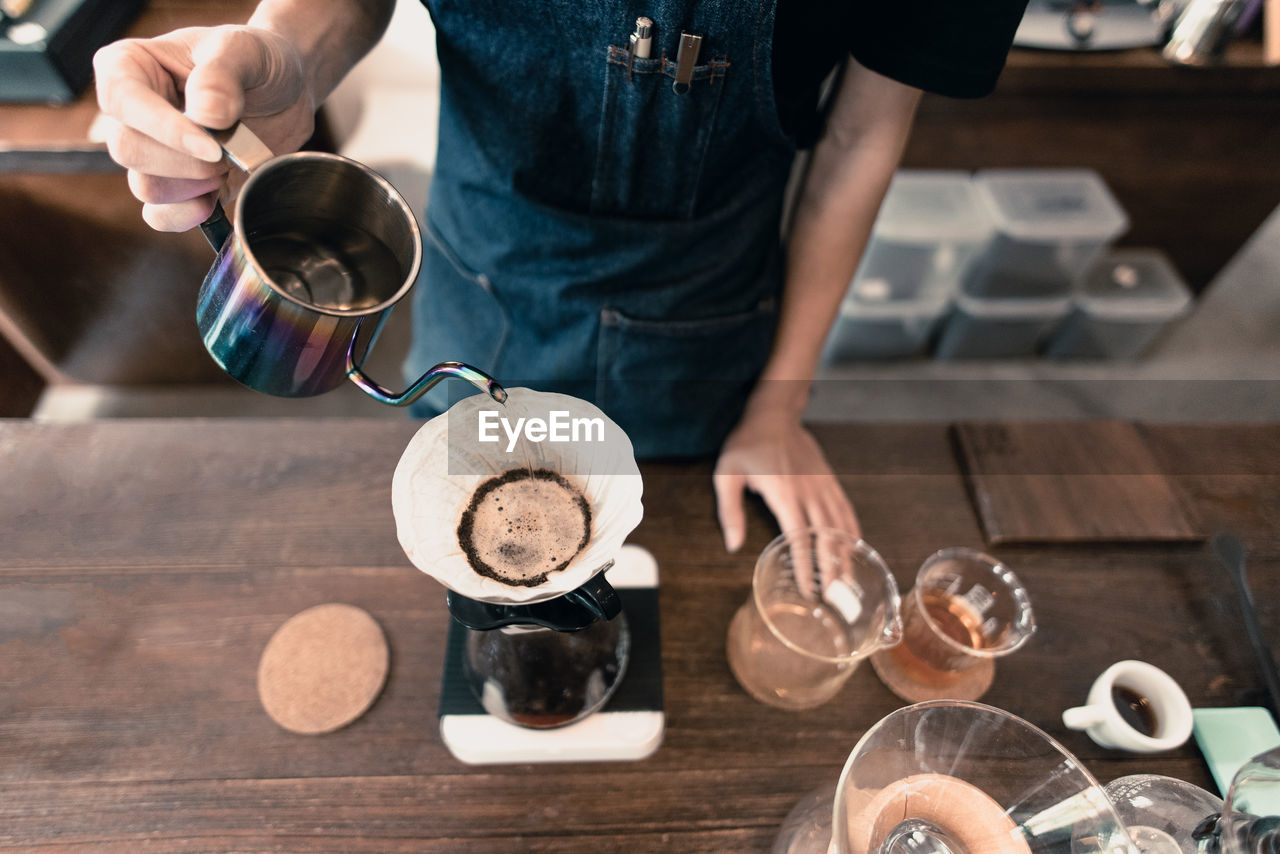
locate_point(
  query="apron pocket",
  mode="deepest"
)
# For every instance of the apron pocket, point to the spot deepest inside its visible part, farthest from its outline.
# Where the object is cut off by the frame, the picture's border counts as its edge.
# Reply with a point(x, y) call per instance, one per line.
point(678, 387)
point(457, 316)
point(652, 141)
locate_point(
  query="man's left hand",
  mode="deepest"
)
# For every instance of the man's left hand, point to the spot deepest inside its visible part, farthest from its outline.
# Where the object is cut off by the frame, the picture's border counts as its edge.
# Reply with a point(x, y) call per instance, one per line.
point(772, 454)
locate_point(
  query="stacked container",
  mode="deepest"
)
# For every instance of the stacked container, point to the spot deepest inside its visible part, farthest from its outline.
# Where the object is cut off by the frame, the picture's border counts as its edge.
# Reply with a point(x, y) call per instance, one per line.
point(1123, 303)
point(930, 228)
point(1051, 225)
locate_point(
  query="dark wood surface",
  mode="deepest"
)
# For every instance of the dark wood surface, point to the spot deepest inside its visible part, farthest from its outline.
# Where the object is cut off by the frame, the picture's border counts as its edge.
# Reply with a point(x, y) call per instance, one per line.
point(21, 387)
point(1069, 482)
point(89, 293)
point(1139, 70)
point(146, 563)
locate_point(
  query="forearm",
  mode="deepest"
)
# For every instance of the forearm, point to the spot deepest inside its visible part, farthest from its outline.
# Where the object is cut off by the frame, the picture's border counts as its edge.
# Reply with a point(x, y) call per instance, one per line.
point(848, 175)
point(331, 37)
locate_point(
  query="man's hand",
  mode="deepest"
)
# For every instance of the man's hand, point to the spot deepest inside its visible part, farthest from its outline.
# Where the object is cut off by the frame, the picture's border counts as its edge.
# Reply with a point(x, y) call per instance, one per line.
point(772, 454)
point(161, 92)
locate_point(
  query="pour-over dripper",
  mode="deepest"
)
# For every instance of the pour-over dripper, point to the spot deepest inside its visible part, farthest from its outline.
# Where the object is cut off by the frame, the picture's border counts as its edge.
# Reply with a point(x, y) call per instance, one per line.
point(957, 777)
point(455, 454)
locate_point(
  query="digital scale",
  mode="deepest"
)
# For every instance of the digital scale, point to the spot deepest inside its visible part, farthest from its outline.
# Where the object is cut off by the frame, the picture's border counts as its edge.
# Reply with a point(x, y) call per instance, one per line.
point(629, 727)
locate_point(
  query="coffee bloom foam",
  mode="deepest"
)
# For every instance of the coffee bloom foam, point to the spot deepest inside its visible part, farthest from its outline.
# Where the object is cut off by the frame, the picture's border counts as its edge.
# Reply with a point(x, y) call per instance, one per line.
point(453, 454)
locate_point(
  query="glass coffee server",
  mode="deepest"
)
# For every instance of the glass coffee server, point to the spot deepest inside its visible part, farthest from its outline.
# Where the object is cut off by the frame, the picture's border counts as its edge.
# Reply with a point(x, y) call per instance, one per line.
point(548, 664)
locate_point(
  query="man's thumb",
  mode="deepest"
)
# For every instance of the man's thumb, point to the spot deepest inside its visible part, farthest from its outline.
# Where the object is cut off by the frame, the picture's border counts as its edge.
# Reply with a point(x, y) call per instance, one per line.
point(225, 63)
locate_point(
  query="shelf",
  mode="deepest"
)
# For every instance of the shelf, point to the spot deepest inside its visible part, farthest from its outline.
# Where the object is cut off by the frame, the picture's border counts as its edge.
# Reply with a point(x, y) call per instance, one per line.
point(1137, 71)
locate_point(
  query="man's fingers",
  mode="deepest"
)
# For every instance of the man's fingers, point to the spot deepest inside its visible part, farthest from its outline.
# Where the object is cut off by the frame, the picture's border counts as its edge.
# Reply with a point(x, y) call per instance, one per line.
point(214, 95)
point(784, 501)
point(135, 96)
point(840, 511)
point(135, 150)
point(183, 216)
point(168, 191)
point(729, 510)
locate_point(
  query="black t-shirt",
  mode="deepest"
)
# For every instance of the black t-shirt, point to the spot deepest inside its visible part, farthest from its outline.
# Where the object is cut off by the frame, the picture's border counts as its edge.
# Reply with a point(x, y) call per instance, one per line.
point(947, 47)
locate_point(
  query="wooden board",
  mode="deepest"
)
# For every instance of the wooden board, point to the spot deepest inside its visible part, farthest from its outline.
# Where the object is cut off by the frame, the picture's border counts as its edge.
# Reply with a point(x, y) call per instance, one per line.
point(1091, 481)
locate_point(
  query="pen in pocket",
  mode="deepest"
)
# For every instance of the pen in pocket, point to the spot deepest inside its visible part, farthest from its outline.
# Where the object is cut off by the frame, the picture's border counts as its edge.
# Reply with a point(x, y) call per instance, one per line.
point(642, 38)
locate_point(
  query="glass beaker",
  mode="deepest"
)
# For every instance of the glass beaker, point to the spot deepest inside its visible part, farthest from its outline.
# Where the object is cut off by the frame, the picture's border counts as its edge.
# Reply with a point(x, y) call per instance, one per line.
point(1250, 821)
point(821, 601)
point(966, 610)
point(1170, 816)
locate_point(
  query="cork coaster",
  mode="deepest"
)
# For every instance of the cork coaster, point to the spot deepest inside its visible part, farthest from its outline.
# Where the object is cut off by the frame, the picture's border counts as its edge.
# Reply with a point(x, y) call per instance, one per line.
point(323, 668)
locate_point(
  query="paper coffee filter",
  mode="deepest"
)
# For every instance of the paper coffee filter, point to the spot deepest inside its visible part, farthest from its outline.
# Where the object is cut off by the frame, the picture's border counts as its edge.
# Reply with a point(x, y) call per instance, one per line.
point(446, 461)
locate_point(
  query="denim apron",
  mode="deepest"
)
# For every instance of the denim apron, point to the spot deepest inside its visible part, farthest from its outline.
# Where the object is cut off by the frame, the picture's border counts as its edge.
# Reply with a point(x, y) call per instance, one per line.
point(593, 231)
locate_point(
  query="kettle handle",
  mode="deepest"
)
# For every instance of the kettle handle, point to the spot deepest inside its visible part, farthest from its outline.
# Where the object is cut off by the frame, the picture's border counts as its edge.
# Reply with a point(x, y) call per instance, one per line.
point(243, 148)
point(217, 228)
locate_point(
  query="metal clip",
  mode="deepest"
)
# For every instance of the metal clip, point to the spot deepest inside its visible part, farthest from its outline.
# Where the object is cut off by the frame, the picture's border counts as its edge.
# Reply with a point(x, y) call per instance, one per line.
point(686, 59)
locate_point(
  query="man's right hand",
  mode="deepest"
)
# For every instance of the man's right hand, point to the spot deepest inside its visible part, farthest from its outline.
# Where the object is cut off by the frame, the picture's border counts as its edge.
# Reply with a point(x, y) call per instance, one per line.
point(160, 93)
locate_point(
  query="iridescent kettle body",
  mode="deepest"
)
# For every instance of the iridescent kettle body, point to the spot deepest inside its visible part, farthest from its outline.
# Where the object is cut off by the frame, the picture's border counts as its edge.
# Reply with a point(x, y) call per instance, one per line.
point(320, 250)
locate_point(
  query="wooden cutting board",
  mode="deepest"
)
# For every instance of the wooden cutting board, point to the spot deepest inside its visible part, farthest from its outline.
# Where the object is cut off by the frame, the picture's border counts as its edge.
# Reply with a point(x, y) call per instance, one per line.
point(1077, 481)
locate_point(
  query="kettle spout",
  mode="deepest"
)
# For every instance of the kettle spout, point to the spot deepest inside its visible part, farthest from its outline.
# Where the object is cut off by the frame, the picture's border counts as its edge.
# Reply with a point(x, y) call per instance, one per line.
point(424, 383)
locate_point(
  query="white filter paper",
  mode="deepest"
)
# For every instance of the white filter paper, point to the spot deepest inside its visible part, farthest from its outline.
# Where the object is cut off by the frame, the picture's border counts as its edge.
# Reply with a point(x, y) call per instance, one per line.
point(478, 439)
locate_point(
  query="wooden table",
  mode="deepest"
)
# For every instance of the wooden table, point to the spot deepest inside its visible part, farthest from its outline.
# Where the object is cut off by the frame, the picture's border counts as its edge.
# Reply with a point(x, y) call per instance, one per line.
point(146, 563)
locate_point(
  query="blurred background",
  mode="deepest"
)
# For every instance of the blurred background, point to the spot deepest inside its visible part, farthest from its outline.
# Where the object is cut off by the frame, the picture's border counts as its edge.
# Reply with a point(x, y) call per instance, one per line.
point(1099, 237)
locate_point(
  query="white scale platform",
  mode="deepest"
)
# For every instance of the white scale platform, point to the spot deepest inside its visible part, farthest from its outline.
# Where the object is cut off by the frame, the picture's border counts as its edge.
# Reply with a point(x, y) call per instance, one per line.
point(629, 727)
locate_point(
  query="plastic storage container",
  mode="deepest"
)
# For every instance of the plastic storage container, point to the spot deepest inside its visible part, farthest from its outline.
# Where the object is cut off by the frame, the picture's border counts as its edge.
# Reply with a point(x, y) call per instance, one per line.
point(872, 325)
point(1121, 306)
point(1051, 225)
point(993, 328)
point(930, 227)
point(928, 231)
